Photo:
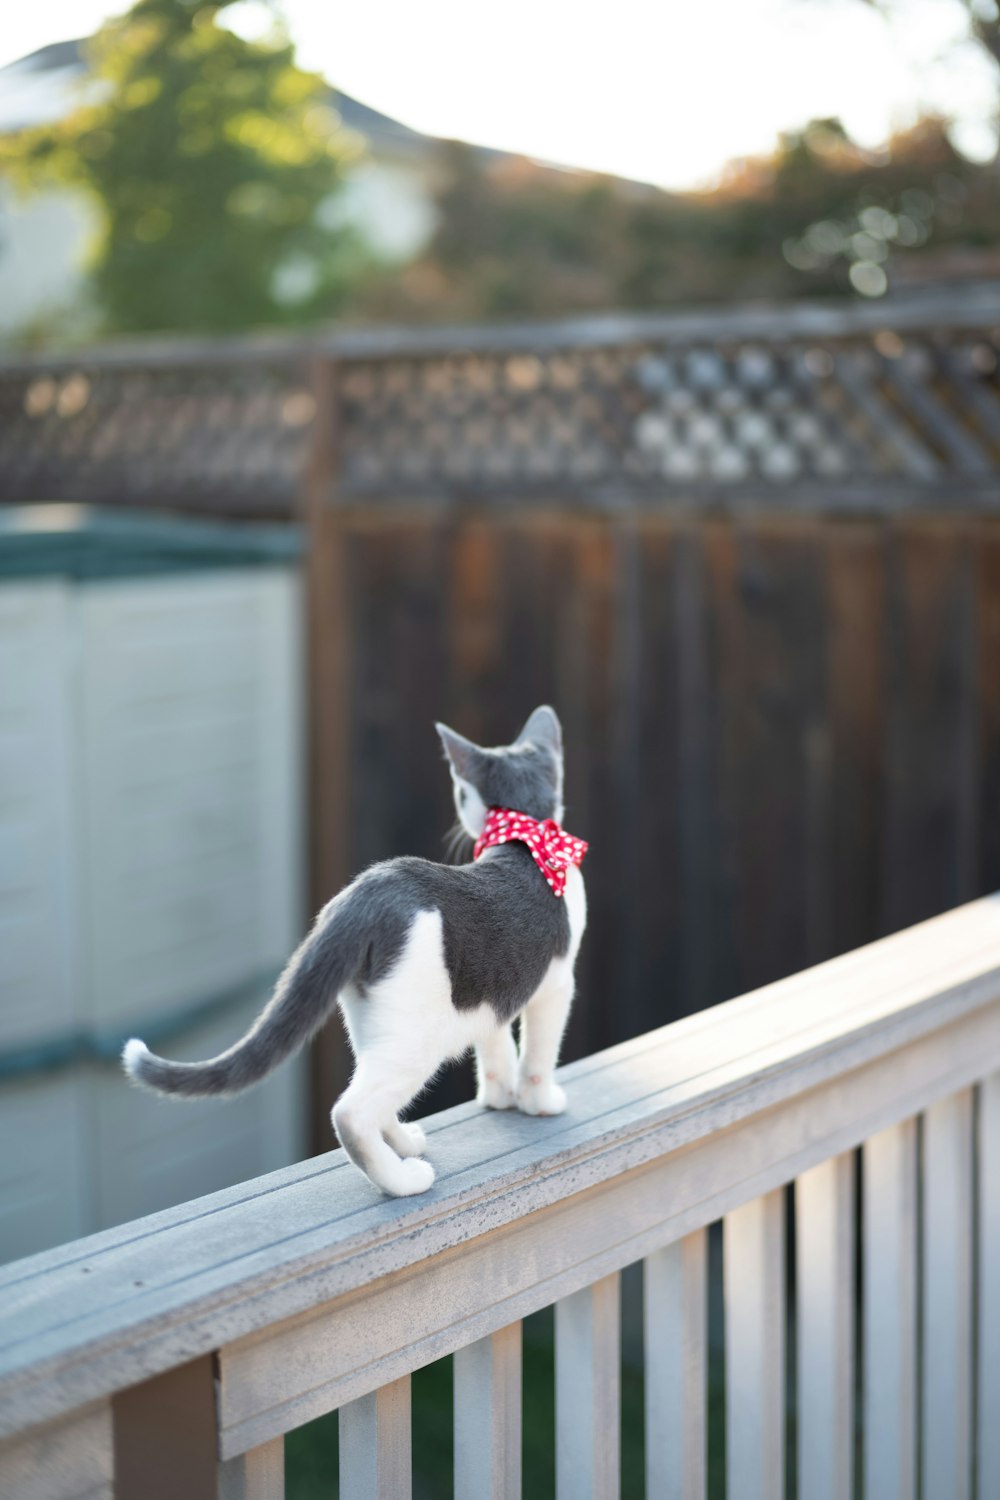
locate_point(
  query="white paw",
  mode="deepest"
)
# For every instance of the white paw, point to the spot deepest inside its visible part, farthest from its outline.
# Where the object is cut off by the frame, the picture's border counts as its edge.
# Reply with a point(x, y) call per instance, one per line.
point(495, 1094)
point(542, 1098)
point(411, 1140)
point(412, 1176)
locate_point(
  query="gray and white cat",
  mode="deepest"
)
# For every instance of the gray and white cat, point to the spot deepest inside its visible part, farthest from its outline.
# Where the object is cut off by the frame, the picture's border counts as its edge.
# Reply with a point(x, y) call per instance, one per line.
point(426, 961)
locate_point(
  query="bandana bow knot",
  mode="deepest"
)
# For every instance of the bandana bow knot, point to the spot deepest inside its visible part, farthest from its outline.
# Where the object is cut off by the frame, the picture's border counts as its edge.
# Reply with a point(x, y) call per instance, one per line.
point(552, 848)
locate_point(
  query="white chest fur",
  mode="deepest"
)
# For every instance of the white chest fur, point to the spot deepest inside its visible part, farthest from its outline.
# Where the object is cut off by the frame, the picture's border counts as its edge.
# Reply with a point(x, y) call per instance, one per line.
point(575, 898)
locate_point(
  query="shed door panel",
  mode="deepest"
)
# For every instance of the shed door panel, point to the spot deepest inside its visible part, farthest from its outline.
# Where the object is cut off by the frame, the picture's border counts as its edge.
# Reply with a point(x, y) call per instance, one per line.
point(190, 763)
point(37, 834)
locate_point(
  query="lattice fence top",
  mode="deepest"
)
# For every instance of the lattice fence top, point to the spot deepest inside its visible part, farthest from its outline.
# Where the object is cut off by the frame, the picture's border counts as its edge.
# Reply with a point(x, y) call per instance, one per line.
point(692, 409)
point(220, 434)
point(800, 403)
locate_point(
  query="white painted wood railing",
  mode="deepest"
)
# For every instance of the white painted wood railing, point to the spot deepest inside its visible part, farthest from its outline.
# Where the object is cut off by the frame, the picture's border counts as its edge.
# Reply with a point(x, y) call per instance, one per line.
point(170, 1356)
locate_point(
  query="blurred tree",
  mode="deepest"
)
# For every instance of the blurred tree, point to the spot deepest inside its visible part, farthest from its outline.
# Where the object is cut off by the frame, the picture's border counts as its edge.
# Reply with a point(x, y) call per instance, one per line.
point(873, 212)
point(818, 215)
point(984, 25)
point(213, 161)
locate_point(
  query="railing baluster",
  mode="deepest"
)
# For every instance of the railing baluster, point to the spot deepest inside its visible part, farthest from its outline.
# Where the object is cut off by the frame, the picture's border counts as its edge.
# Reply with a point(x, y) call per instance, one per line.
point(754, 1283)
point(588, 1385)
point(824, 1276)
point(257, 1475)
point(989, 1287)
point(488, 1417)
point(375, 1445)
point(675, 1319)
point(889, 1179)
point(946, 1427)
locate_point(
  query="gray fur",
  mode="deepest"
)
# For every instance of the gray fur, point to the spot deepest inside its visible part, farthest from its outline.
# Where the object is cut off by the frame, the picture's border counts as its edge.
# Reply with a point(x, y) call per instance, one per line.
point(502, 926)
point(526, 775)
point(355, 1142)
point(303, 997)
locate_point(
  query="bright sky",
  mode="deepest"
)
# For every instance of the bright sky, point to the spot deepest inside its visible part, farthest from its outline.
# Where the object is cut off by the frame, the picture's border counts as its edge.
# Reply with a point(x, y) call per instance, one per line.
point(655, 89)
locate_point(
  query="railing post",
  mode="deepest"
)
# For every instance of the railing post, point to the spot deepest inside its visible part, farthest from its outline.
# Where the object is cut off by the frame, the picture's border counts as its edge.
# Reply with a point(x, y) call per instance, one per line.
point(889, 1182)
point(588, 1383)
point(754, 1283)
point(988, 1462)
point(375, 1445)
point(68, 1459)
point(946, 1426)
point(257, 1475)
point(488, 1417)
point(165, 1439)
point(675, 1328)
point(824, 1240)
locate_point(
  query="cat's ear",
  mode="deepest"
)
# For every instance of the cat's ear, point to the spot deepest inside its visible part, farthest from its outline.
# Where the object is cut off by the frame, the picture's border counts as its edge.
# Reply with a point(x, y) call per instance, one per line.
point(543, 728)
point(462, 753)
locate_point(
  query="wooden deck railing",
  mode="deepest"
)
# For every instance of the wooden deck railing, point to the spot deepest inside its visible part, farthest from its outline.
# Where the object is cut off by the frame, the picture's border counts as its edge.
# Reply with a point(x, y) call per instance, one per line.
point(170, 1356)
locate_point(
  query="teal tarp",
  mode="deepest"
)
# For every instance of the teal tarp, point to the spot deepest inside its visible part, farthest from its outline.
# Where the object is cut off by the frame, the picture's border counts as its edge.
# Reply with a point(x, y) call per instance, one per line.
point(85, 541)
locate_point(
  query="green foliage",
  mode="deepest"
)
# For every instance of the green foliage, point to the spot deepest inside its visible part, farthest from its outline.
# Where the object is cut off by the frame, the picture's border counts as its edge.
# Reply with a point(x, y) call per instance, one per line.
point(311, 1453)
point(214, 162)
point(215, 165)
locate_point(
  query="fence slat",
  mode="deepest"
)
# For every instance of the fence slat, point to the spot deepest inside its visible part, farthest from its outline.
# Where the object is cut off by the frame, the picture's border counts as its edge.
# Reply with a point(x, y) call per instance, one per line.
point(946, 1427)
point(754, 1281)
point(676, 1308)
point(988, 1465)
point(889, 1179)
point(257, 1475)
point(933, 417)
point(824, 1275)
point(914, 456)
point(588, 1393)
point(375, 1444)
point(488, 1417)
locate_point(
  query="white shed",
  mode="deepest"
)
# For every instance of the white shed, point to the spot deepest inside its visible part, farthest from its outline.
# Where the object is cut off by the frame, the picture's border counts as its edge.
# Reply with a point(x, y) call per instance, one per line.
point(150, 853)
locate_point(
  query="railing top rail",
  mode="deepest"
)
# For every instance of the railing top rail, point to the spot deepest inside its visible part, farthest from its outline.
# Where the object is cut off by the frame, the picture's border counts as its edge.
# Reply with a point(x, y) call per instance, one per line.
point(766, 322)
point(95, 1316)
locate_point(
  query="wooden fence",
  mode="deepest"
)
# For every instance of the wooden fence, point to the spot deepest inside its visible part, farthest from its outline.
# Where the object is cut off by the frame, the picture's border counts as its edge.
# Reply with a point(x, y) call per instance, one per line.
point(752, 557)
point(170, 1356)
point(783, 737)
point(755, 564)
point(854, 409)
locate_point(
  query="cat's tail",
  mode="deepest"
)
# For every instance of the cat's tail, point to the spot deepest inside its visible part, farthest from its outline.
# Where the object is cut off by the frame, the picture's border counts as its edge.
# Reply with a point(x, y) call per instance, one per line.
point(303, 997)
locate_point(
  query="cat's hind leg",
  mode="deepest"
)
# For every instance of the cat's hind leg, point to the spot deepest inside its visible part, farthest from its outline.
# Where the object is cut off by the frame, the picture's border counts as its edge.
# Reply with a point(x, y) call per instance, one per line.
point(406, 1137)
point(496, 1070)
point(366, 1118)
point(543, 1021)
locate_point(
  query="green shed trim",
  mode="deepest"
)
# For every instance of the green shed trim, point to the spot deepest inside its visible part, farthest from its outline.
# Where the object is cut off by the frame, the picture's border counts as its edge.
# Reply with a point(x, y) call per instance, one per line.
point(92, 542)
point(104, 1044)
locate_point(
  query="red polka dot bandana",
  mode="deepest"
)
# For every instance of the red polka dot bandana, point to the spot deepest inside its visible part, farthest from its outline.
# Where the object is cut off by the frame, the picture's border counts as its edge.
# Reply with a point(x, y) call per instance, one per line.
point(552, 849)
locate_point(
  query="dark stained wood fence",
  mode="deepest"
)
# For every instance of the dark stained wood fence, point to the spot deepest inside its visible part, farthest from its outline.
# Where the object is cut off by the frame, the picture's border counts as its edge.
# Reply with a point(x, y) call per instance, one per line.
point(755, 566)
point(752, 558)
point(783, 736)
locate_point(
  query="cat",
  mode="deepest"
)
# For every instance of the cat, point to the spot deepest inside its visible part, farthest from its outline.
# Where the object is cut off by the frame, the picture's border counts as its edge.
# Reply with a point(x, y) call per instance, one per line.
point(427, 960)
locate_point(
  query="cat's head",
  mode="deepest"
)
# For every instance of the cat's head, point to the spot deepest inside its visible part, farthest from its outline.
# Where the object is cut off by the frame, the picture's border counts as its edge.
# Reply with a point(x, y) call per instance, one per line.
point(526, 775)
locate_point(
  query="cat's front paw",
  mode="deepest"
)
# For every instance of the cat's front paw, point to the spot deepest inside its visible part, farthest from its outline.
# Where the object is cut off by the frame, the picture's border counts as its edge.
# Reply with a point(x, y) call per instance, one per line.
point(537, 1096)
point(494, 1093)
point(408, 1177)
